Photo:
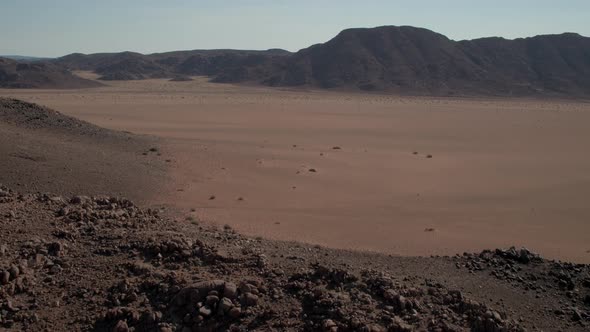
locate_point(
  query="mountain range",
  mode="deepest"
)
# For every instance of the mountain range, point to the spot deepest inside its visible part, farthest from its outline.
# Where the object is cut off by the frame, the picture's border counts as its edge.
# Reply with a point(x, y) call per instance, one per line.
point(404, 59)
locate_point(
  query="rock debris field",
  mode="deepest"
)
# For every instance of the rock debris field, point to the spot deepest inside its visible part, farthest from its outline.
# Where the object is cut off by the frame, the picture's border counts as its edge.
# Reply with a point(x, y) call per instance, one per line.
point(104, 264)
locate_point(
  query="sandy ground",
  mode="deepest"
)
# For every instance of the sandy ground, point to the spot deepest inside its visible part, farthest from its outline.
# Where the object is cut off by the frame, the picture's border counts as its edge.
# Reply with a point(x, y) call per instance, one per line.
point(502, 172)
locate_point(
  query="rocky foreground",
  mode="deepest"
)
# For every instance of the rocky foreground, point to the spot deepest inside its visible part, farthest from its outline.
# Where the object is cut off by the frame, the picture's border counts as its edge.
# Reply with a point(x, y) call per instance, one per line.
point(103, 264)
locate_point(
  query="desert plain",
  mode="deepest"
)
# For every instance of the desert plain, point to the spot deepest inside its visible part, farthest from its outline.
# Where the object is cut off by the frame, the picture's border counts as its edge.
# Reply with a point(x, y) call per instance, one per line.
point(400, 175)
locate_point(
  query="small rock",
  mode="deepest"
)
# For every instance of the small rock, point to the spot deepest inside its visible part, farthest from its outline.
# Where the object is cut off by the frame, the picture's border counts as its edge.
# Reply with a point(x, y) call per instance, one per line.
point(329, 325)
point(121, 326)
point(496, 316)
point(14, 272)
point(230, 290)
point(225, 305)
point(55, 269)
point(211, 300)
point(246, 288)
point(250, 299)
point(235, 312)
point(205, 311)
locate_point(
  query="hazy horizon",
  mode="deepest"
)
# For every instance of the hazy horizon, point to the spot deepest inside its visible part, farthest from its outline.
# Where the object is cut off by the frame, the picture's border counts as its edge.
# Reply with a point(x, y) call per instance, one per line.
point(67, 26)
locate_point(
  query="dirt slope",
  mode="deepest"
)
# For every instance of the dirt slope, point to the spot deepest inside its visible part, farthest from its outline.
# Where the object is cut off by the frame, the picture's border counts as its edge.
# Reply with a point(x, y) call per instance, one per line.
point(44, 150)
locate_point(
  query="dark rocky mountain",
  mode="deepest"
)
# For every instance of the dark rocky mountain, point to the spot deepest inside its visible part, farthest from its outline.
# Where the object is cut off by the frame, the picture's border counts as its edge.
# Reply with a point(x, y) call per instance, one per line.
point(390, 58)
point(414, 60)
point(382, 58)
point(15, 75)
point(544, 64)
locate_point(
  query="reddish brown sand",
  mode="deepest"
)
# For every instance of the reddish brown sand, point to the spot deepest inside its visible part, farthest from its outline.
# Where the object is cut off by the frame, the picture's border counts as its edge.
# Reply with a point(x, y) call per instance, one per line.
point(502, 172)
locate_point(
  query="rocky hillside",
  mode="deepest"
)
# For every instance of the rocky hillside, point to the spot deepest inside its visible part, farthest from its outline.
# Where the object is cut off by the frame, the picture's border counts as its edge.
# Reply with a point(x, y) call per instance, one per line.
point(103, 264)
point(16, 75)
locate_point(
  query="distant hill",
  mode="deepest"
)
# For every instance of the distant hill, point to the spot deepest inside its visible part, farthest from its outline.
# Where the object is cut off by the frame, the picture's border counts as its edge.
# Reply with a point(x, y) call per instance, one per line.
point(17, 75)
point(136, 66)
point(393, 59)
point(23, 58)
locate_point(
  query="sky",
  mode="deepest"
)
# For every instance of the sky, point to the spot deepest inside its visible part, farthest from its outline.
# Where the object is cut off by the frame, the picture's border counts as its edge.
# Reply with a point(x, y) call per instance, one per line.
point(53, 28)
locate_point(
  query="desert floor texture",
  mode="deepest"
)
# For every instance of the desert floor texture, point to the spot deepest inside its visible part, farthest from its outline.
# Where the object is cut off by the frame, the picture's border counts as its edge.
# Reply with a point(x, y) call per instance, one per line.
point(398, 175)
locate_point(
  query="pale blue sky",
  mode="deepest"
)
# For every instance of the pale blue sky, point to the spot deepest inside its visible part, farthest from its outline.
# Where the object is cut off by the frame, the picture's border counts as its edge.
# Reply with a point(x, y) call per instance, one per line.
point(59, 27)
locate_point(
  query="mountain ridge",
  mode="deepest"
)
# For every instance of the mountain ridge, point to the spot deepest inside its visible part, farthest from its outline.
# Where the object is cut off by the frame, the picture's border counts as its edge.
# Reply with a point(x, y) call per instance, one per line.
point(397, 59)
point(391, 59)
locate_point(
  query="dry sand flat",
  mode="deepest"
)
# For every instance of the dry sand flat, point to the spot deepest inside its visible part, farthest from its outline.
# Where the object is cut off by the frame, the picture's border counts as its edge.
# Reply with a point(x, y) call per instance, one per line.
point(502, 172)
